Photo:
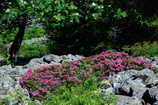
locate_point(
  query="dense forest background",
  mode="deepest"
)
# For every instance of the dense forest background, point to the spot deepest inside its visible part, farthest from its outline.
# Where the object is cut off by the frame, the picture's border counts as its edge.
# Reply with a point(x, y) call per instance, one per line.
point(84, 27)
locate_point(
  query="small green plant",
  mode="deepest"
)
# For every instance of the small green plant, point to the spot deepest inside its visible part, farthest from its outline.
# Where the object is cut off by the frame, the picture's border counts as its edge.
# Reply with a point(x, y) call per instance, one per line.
point(147, 49)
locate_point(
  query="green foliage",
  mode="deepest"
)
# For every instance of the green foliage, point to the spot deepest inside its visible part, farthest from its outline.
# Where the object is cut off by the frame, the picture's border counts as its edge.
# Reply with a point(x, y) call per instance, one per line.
point(147, 49)
point(120, 14)
point(31, 50)
point(100, 26)
point(79, 26)
point(83, 94)
point(152, 22)
point(2, 51)
point(15, 98)
point(7, 36)
point(34, 32)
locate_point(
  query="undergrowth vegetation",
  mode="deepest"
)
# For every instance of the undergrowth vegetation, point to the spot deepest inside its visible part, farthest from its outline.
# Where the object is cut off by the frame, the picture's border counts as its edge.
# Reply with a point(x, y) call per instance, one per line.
point(34, 50)
point(86, 93)
point(146, 49)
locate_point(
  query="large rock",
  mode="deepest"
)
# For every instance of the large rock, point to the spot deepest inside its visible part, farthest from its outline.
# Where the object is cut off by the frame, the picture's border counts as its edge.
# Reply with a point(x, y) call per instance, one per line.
point(151, 96)
point(131, 83)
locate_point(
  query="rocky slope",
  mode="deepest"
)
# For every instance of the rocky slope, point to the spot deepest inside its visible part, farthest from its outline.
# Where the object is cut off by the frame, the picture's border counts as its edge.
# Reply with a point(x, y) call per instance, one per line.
point(132, 87)
point(9, 76)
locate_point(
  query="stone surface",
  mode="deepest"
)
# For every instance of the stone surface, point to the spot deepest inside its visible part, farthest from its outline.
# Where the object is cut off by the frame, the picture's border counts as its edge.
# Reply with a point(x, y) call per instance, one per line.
point(153, 92)
point(125, 100)
point(140, 85)
point(52, 58)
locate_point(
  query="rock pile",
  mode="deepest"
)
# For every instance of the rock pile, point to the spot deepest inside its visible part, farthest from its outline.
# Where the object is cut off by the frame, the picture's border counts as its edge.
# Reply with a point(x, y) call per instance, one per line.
point(135, 87)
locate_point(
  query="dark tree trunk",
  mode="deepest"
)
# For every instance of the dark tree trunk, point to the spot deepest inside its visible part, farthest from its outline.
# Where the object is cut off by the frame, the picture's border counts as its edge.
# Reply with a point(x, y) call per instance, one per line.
point(14, 48)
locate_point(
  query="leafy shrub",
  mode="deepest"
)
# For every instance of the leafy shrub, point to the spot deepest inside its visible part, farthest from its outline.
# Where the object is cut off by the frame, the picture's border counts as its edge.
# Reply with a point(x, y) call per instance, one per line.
point(47, 78)
point(83, 94)
point(147, 49)
point(31, 50)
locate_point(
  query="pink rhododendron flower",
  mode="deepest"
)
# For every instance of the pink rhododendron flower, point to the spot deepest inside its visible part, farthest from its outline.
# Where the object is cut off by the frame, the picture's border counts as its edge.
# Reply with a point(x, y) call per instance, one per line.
point(35, 93)
point(29, 74)
point(119, 60)
point(76, 62)
point(139, 60)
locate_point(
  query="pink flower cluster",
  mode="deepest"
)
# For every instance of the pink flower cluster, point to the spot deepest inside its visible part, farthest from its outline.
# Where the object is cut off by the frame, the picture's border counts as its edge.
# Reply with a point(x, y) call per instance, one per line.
point(47, 78)
point(112, 61)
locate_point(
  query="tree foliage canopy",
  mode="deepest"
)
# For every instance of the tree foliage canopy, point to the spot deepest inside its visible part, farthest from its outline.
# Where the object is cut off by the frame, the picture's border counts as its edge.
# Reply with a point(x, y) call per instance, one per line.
point(79, 25)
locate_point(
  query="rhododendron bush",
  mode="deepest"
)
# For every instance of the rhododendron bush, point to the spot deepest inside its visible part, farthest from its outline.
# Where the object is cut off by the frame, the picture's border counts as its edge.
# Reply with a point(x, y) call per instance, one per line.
point(46, 78)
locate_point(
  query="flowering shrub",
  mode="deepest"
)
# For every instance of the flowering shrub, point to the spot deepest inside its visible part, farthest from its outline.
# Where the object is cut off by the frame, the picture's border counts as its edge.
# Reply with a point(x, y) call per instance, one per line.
point(46, 78)
point(117, 61)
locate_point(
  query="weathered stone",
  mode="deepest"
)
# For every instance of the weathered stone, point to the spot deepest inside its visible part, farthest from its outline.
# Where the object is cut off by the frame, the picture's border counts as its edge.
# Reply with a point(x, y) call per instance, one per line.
point(52, 58)
point(125, 100)
point(35, 62)
point(137, 87)
point(127, 83)
point(134, 83)
point(153, 92)
point(107, 91)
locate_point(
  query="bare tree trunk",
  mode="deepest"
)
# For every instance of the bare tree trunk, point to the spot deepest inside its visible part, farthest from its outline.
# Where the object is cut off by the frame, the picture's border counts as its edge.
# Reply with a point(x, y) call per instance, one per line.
point(14, 48)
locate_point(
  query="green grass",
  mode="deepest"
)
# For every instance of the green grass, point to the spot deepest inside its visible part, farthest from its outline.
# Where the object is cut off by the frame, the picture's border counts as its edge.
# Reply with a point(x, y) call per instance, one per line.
point(81, 94)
